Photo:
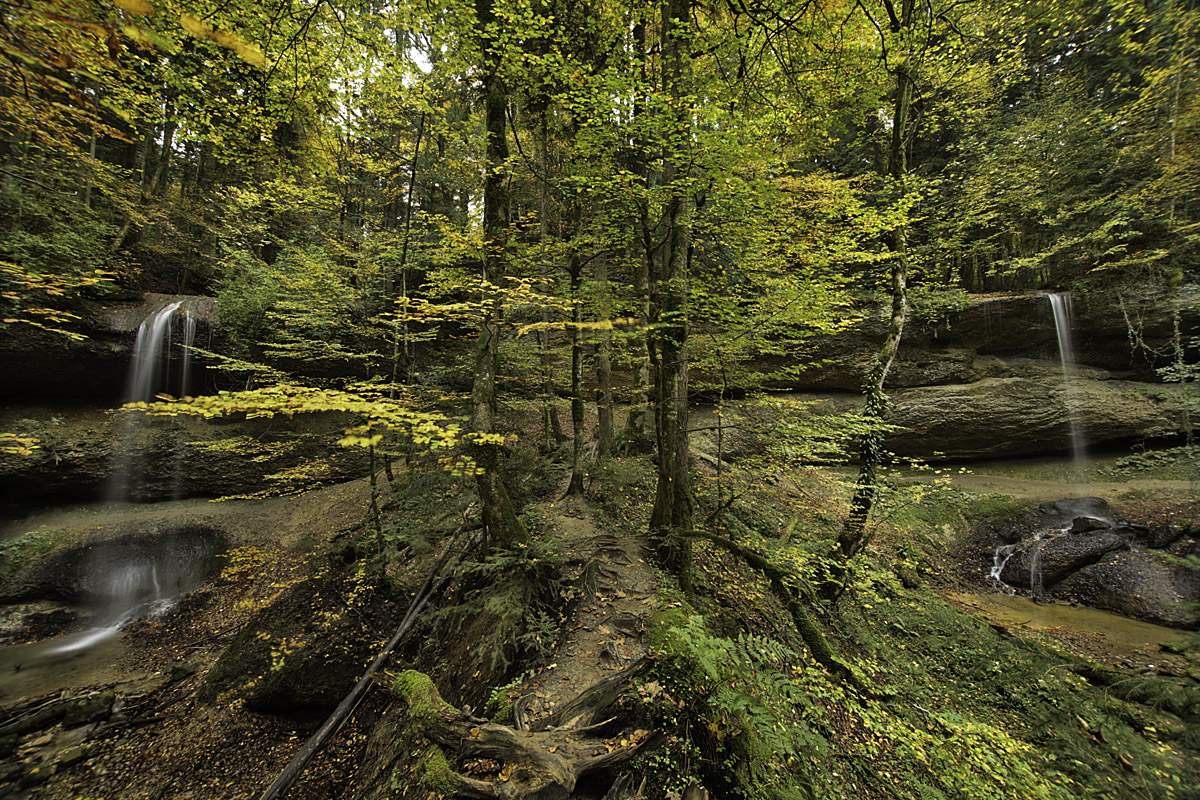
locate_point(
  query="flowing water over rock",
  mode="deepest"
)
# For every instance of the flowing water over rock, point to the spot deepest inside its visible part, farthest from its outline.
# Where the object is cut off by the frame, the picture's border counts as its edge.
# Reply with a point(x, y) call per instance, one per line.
point(1076, 550)
point(160, 365)
point(1060, 304)
point(114, 584)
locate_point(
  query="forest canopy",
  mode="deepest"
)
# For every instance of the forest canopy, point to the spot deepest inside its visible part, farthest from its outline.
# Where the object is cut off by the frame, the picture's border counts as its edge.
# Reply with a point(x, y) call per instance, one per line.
point(646, 187)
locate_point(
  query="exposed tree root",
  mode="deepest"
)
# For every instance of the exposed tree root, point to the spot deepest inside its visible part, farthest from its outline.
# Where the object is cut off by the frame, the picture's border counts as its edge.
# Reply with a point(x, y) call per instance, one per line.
point(544, 764)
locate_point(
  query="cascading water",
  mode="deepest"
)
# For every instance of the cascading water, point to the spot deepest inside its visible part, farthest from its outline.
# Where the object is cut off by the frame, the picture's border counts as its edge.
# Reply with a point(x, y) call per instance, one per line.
point(150, 374)
point(1029, 550)
point(1060, 304)
point(1036, 583)
point(1000, 560)
point(124, 582)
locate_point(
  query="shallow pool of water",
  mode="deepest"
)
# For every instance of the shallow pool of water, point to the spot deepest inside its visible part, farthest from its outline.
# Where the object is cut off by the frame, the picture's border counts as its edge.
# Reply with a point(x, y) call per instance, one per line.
point(1119, 636)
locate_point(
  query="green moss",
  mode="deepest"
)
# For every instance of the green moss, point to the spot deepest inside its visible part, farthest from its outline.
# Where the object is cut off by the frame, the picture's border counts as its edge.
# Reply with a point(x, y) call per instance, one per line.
point(417, 691)
point(1176, 463)
point(434, 773)
point(19, 553)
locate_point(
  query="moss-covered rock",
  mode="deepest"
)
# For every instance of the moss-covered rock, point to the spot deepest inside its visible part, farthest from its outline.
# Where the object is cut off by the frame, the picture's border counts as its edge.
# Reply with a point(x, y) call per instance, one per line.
point(1143, 584)
point(303, 652)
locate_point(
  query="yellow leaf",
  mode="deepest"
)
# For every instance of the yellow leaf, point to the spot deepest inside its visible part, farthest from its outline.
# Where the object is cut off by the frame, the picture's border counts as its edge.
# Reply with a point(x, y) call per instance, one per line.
point(202, 30)
point(135, 6)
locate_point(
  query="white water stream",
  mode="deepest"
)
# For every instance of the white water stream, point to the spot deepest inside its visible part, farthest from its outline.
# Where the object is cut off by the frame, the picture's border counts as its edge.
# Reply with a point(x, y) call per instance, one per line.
point(1060, 304)
point(150, 375)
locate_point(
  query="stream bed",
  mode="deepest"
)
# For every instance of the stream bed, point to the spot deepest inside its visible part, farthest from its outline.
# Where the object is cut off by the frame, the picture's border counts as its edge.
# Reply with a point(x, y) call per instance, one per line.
point(1138, 643)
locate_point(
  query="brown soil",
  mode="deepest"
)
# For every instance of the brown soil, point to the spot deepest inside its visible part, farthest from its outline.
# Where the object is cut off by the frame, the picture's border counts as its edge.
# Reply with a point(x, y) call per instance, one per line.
point(607, 631)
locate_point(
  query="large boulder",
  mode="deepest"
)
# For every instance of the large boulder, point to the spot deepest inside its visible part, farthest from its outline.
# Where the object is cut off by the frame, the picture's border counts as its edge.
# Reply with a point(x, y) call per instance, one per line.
point(1144, 584)
point(1044, 562)
point(303, 652)
point(998, 417)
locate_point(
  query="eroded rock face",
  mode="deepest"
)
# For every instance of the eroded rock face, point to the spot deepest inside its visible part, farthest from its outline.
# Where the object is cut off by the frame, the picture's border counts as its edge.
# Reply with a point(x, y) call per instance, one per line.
point(172, 458)
point(999, 417)
point(1001, 337)
point(1051, 559)
point(53, 367)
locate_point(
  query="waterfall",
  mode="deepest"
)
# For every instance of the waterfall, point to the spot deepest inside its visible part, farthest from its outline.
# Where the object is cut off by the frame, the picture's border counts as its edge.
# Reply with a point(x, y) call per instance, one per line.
point(151, 360)
point(1000, 560)
point(124, 582)
point(1060, 304)
point(150, 374)
point(1029, 549)
point(1036, 587)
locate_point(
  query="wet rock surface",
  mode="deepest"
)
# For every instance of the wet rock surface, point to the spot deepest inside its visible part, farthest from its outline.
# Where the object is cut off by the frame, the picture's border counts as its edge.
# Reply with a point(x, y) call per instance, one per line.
point(1045, 563)
point(1076, 550)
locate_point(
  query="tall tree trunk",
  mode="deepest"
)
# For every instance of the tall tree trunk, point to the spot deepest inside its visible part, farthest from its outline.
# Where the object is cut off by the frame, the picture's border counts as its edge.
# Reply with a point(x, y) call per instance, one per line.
point(87, 188)
point(604, 397)
point(402, 350)
point(503, 527)
point(161, 173)
point(875, 409)
point(577, 419)
point(140, 155)
point(552, 432)
point(672, 513)
point(639, 422)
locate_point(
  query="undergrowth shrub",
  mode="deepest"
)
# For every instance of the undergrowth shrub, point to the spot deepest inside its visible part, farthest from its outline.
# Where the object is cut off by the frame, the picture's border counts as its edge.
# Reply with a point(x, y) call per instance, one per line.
point(745, 710)
point(506, 613)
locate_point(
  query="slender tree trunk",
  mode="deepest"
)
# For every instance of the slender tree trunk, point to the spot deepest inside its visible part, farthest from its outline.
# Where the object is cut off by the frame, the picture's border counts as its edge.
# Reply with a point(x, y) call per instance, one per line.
point(87, 188)
point(161, 172)
point(604, 398)
point(876, 406)
point(402, 350)
point(672, 512)
point(639, 422)
point(577, 411)
point(503, 527)
point(552, 432)
point(139, 166)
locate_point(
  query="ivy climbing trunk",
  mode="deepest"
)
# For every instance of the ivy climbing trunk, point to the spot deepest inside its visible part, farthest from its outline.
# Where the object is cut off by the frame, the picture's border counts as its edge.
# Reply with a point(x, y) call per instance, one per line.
point(869, 446)
point(503, 528)
point(672, 511)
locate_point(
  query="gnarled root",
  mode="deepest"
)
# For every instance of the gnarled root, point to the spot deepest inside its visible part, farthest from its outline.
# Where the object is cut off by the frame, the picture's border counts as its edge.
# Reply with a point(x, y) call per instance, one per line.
point(543, 764)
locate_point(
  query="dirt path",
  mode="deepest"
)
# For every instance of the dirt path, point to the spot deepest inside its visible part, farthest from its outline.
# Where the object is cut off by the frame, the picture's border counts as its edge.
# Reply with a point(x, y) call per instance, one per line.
point(608, 629)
